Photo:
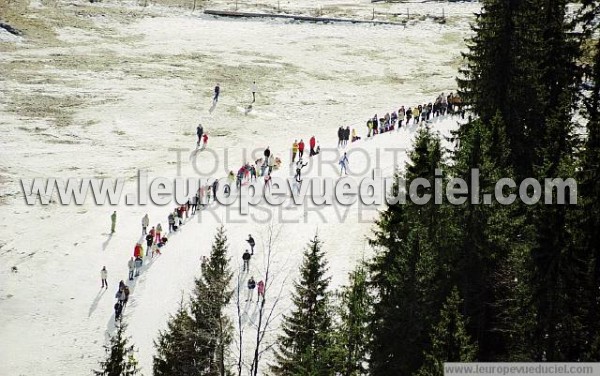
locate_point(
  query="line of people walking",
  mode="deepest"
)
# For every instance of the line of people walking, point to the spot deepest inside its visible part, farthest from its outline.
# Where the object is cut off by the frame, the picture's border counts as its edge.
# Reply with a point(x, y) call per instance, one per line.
point(155, 239)
point(442, 105)
point(252, 284)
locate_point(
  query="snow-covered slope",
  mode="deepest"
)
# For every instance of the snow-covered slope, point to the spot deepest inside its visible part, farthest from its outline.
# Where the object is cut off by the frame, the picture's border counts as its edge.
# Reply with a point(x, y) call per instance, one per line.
point(54, 318)
point(58, 306)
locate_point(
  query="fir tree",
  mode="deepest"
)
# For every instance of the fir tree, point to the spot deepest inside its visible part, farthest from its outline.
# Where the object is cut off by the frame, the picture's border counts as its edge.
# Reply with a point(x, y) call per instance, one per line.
point(392, 274)
point(120, 359)
point(488, 79)
point(450, 341)
point(303, 348)
point(176, 348)
point(587, 221)
point(529, 94)
point(558, 271)
point(521, 65)
point(196, 340)
point(491, 253)
point(211, 295)
point(409, 271)
point(352, 335)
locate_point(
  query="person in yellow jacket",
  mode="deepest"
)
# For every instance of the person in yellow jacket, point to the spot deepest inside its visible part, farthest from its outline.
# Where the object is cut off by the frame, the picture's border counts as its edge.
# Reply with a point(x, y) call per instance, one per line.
point(416, 114)
point(294, 150)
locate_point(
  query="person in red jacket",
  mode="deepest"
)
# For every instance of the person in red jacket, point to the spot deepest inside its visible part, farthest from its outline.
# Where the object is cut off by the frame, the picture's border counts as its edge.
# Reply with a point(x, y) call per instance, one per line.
point(312, 144)
point(137, 251)
point(300, 148)
point(205, 139)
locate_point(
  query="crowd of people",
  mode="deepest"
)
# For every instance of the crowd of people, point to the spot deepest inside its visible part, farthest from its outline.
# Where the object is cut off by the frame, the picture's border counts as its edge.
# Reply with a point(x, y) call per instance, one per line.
point(450, 104)
point(248, 172)
point(156, 240)
point(263, 167)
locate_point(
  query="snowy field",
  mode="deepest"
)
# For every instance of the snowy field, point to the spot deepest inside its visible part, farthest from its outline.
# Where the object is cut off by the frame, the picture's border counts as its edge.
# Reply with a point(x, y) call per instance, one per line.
point(112, 95)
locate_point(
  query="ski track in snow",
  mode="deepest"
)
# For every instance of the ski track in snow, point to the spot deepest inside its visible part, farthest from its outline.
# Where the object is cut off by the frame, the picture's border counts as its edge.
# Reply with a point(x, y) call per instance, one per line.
point(54, 318)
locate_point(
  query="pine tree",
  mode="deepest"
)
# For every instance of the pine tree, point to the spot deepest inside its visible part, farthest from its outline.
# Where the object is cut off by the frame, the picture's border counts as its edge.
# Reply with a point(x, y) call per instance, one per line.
point(489, 83)
point(409, 272)
point(531, 92)
point(196, 339)
point(352, 335)
point(120, 360)
point(391, 274)
point(212, 293)
point(557, 271)
point(450, 341)
point(176, 349)
point(491, 259)
point(521, 66)
point(303, 348)
point(587, 221)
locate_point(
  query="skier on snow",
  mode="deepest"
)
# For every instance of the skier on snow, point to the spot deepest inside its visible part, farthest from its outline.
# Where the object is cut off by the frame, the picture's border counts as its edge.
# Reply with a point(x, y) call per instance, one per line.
point(113, 221)
point(251, 286)
point(344, 164)
point(217, 92)
point(149, 241)
point(158, 232)
point(103, 276)
point(346, 135)
point(294, 150)
point(137, 250)
point(175, 221)
point(138, 265)
point(145, 224)
point(299, 166)
point(131, 266)
point(300, 149)
point(199, 131)
point(251, 242)
point(171, 220)
point(124, 298)
point(260, 290)
point(118, 309)
point(253, 89)
point(246, 259)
